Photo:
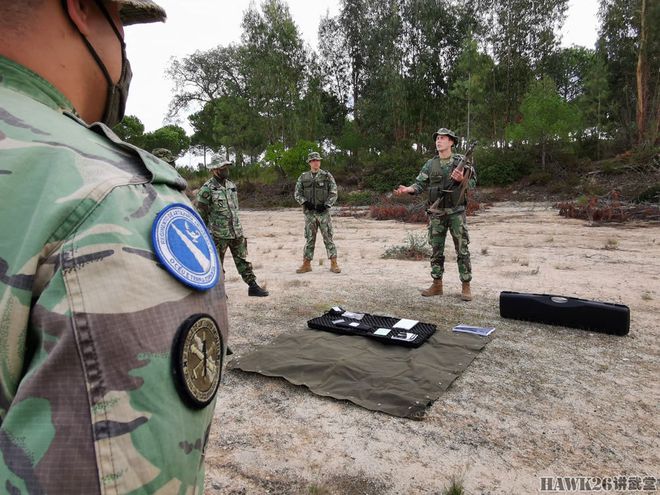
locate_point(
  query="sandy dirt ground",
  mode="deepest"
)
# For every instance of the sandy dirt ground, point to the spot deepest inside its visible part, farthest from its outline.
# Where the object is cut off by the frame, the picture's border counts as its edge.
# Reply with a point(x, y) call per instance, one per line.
point(538, 401)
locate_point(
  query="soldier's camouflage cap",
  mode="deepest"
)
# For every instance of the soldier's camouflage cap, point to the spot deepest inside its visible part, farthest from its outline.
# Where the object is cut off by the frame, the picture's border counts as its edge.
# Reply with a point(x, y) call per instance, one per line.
point(216, 163)
point(164, 154)
point(140, 12)
point(313, 156)
point(443, 131)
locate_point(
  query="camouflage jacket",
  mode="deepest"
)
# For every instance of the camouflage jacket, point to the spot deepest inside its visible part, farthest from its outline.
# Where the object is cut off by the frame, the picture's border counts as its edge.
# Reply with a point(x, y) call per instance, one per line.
point(319, 188)
point(87, 316)
point(436, 176)
point(218, 206)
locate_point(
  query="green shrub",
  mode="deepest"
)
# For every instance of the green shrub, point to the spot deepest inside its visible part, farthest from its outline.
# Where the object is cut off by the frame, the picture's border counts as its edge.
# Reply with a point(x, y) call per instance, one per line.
point(540, 178)
point(582, 200)
point(650, 195)
point(385, 171)
point(194, 177)
point(357, 198)
point(499, 167)
point(612, 167)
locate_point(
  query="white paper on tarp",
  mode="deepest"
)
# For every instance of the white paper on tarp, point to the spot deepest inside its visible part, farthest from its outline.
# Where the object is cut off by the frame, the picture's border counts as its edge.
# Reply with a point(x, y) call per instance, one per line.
point(382, 331)
point(483, 331)
point(334, 322)
point(353, 316)
point(405, 324)
point(354, 324)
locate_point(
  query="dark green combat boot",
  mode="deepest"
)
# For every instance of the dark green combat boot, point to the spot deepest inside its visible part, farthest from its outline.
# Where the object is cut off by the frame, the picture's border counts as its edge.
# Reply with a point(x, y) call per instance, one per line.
point(255, 290)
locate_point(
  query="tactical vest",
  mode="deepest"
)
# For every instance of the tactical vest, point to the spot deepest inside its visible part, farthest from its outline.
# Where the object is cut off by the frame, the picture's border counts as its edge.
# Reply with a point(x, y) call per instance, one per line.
point(441, 185)
point(224, 221)
point(316, 188)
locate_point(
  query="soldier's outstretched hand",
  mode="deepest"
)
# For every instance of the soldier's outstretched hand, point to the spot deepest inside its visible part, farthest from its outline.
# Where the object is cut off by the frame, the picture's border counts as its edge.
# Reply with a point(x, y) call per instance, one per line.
point(403, 190)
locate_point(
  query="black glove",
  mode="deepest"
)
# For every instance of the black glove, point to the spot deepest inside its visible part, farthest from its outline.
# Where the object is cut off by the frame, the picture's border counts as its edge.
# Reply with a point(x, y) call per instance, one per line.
point(308, 205)
point(321, 208)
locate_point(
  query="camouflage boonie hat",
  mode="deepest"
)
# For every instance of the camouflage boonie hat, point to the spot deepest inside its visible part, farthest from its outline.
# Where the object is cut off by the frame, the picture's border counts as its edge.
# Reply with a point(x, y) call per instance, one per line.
point(216, 163)
point(164, 154)
point(443, 131)
point(140, 12)
point(313, 156)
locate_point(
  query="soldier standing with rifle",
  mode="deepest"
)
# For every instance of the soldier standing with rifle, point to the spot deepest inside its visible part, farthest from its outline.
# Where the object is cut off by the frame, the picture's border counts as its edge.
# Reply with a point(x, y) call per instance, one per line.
point(447, 176)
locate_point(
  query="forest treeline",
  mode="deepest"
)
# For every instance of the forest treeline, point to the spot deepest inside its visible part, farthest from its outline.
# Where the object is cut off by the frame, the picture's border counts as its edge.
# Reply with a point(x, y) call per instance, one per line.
point(387, 73)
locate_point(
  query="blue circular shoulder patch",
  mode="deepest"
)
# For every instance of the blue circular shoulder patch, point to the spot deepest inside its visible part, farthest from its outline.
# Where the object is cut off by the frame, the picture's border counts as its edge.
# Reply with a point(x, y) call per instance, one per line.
point(184, 246)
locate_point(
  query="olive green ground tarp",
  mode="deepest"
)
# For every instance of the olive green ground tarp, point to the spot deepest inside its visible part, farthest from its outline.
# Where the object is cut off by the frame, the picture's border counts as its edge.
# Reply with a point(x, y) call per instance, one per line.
point(396, 380)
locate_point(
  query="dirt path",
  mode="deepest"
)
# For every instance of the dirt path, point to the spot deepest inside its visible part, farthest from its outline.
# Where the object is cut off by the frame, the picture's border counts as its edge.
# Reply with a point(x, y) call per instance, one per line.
point(538, 401)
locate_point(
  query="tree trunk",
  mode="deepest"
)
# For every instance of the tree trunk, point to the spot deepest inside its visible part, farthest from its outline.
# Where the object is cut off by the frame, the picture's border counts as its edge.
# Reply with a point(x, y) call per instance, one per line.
point(642, 78)
point(543, 156)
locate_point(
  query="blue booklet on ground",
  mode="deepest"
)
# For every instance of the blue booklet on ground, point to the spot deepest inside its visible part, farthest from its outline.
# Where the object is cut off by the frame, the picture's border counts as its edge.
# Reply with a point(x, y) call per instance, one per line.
point(483, 331)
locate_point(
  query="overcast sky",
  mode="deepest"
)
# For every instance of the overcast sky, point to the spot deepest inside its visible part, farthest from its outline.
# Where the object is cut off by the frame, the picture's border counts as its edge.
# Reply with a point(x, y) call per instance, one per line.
point(202, 24)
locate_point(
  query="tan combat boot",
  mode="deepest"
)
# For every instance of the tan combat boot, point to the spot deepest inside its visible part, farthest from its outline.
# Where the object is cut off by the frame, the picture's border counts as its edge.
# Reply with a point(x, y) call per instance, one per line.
point(334, 267)
point(435, 289)
point(305, 267)
point(466, 295)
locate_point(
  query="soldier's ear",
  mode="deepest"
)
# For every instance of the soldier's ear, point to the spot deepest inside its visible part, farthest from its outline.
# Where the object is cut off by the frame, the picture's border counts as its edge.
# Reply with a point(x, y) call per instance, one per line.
point(81, 14)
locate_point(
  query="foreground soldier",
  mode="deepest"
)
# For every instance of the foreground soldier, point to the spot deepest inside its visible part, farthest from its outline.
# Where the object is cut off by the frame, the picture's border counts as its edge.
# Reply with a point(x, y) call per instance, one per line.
point(111, 346)
point(441, 176)
point(316, 191)
point(217, 203)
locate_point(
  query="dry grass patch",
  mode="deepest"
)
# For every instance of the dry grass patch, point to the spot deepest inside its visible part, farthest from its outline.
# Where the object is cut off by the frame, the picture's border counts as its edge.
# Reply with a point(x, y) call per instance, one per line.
point(611, 244)
point(415, 248)
point(297, 283)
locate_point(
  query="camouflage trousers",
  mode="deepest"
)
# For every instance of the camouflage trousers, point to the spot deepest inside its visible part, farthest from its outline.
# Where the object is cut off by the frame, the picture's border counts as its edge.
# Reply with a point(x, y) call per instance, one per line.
point(239, 251)
point(313, 222)
point(456, 224)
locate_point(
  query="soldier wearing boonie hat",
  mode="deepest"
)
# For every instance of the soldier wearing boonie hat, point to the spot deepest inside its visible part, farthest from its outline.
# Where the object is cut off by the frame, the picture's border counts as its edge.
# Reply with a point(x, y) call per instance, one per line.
point(217, 164)
point(443, 131)
point(217, 203)
point(140, 12)
point(165, 155)
point(448, 212)
point(316, 192)
point(105, 386)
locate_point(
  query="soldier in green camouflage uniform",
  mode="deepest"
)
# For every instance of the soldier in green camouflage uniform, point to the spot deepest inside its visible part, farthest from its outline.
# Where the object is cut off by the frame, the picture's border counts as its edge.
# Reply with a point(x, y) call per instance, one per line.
point(316, 191)
point(217, 203)
point(165, 155)
point(441, 176)
point(88, 317)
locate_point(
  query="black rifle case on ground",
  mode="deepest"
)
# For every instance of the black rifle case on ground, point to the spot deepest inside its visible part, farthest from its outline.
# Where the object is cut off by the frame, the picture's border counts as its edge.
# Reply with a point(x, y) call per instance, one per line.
point(566, 311)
